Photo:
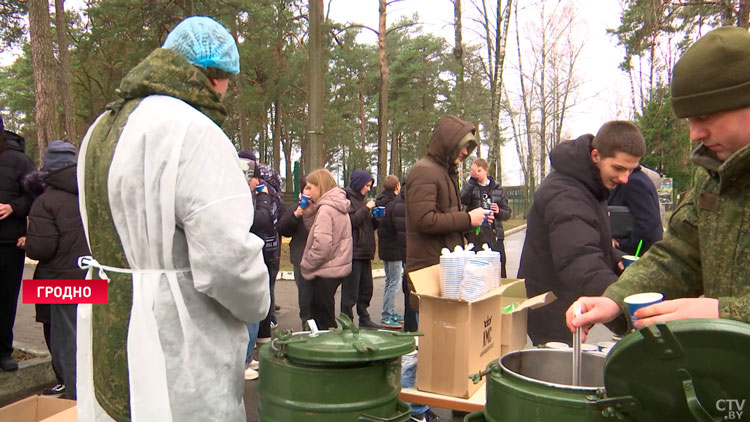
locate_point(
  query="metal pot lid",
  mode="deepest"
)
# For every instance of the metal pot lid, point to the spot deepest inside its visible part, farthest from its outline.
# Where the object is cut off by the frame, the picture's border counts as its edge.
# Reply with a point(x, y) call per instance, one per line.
point(345, 345)
point(686, 370)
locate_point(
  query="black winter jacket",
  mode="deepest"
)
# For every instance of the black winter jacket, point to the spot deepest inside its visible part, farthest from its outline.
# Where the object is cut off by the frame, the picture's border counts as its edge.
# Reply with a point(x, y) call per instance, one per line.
point(568, 248)
point(394, 223)
point(14, 165)
point(55, 237)
point(363, 226)
point(639, 194)
point(291, 226)
point(268, 211)
point(472, 197)
point(388, 242)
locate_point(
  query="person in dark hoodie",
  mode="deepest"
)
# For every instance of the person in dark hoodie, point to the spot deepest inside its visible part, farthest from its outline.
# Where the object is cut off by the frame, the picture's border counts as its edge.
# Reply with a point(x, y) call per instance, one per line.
point(568, 248)
point(15, 203)
point(640, 196)
point(357, 287)
point(389, 250)
point(434, 217)
point(56, 239)
point(292, 225)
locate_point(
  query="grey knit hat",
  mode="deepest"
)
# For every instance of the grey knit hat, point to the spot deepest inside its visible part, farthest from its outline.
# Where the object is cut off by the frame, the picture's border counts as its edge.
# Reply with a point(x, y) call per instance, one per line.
point(58, 154)
point(712, 75)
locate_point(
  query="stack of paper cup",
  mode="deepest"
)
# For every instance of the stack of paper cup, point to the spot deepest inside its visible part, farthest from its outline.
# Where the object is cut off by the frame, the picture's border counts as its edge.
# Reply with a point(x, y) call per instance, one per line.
point(451, 273)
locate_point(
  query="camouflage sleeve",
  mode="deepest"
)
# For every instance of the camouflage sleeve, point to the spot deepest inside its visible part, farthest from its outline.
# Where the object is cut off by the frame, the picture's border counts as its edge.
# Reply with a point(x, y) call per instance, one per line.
point(736, 308)
point(672, 266)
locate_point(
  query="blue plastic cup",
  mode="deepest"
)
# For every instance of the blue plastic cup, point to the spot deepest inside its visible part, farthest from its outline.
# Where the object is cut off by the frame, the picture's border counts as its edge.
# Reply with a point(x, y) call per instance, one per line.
point(260, 188)
point(378, 211)
point(304, 201)
point(628, 259)
point(641, 300)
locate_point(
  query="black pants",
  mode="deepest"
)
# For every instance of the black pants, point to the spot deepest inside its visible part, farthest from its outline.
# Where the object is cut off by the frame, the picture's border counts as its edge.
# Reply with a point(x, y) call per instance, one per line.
point(11, 272)
point(411, 318)
point(304, 295)
point(499, 246)
point(64, 346)
point(323, 305)
point(357, 289)
point(264, 331)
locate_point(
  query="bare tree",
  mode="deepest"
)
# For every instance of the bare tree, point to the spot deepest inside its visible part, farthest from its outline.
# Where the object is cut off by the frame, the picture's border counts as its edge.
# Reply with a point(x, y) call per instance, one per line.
point(66, 94)
point(45, 91)
point(315, 140)
point(458, 53)
point(546, 87)
point(385, 81)
point(493, 20)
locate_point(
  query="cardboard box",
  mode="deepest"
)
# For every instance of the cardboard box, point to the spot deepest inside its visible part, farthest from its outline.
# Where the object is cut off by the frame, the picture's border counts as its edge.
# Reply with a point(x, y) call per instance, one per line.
point(40, 409)
point(460, 337)
point(514, 328)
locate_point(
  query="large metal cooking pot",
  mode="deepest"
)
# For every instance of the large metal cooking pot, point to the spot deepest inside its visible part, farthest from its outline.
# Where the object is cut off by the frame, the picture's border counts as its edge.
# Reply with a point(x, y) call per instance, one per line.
point(687, 370)
point(340, 375)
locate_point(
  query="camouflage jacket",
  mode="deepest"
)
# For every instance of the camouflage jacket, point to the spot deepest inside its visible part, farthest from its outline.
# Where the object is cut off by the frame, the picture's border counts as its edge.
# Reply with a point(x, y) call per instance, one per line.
point(706, 249)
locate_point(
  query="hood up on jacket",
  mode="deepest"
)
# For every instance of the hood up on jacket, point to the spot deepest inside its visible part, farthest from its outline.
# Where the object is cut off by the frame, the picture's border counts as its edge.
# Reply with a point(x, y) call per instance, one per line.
point(335, 198)
point(165, 72)
point(449, 136)
point(573, 158)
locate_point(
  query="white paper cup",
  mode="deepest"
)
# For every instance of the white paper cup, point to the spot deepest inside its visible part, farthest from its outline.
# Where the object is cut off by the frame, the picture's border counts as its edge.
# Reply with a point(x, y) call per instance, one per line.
point(641, 300)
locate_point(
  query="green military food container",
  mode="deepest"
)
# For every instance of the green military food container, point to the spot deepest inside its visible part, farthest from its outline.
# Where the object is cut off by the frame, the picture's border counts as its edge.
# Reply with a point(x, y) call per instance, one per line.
point(687, 370)
point(341, 375)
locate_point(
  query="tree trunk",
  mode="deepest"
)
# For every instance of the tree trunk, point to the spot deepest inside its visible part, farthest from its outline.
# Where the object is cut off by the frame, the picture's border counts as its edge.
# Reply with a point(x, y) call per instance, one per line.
point(43, 62)
point(458, 53)
point(315, 150)
point(743, 15)
point(362, 117)
point(277, 132)
point(65, 84)
point(385, 79)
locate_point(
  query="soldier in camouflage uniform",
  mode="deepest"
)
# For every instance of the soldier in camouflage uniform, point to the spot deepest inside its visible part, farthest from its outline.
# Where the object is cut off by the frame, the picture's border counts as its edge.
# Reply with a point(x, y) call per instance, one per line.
point(706, 249)
point(167, 214)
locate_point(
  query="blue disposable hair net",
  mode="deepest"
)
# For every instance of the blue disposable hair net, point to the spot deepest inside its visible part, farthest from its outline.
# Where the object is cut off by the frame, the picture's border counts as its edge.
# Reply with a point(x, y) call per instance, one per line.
point(205, 43)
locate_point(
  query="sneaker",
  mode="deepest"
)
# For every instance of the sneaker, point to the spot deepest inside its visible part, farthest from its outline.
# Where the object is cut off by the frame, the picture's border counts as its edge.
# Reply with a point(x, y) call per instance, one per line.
point(398, 318)
point(251, 374)
point(7, 363)
point(368, 323)
point(391, 324)
point(427, 416)
point(55, 391)
point(254, 364)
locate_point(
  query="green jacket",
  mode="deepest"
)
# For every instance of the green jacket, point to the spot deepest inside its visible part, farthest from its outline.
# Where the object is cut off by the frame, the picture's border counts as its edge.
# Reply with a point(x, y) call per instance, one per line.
point(706, 249)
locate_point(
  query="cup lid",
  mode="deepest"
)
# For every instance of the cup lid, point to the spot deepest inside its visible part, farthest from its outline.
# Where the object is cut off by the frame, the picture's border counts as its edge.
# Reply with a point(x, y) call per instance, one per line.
point(666, 366)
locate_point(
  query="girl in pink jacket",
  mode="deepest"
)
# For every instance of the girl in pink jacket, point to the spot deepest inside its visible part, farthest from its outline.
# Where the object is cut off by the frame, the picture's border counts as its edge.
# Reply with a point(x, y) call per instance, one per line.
point(327, 258)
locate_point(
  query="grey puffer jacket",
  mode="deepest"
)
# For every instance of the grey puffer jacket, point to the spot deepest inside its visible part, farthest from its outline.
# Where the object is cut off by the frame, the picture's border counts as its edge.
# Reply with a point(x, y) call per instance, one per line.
point(328, 251)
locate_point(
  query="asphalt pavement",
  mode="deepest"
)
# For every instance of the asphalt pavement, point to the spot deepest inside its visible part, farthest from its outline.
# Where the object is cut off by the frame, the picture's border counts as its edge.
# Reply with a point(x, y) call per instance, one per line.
point(28, 333)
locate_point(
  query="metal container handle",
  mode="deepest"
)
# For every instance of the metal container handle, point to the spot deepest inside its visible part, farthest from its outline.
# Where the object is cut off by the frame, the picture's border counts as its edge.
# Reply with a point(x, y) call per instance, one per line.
point(406, 411)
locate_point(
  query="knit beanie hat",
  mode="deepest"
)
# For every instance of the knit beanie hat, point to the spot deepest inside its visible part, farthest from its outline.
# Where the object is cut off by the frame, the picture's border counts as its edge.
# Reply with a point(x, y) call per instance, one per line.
point(249, 164)
point(712, 75)
point(58, 154)
point(359, 179)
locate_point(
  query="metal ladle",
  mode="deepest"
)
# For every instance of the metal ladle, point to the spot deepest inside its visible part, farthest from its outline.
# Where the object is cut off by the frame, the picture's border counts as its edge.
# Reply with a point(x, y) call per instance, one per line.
point(577, 348)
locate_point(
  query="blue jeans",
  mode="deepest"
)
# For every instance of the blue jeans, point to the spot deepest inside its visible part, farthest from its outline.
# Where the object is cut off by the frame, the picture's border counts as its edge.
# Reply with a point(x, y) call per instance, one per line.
point(252, 331)
point(392, 281)
point(409, 377)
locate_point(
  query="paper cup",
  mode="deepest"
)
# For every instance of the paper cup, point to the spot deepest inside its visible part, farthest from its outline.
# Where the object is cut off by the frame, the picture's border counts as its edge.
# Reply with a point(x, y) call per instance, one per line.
point(641, 300)
point(304, 201)
point(556, 345)
point(605, 345)
point(378, 211)
point(628, 259)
